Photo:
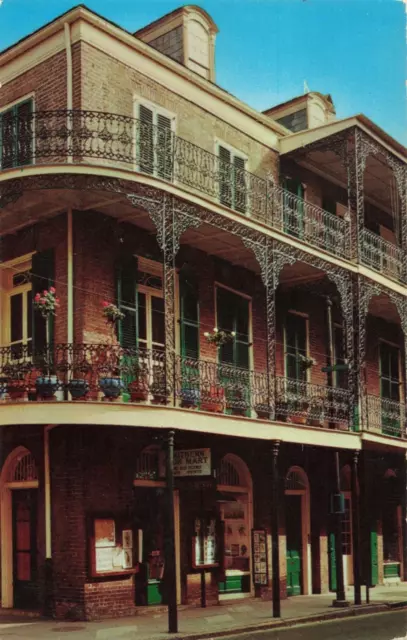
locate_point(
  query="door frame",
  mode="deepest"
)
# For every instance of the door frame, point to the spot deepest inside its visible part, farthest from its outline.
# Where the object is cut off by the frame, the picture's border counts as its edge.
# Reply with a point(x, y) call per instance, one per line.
point(305, 528)
point(6, 515)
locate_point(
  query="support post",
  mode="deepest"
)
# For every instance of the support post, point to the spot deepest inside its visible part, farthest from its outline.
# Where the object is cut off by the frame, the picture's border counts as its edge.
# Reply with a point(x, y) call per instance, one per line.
point(365, 517)
point(404, 513)
point(340, 585)
point(275, 508)
point(355, 530)
point(171, 577)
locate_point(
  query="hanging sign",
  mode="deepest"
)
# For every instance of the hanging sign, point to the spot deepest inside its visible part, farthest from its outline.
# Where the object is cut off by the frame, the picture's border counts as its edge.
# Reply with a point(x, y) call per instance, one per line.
point(259, 550)
point(189, 462)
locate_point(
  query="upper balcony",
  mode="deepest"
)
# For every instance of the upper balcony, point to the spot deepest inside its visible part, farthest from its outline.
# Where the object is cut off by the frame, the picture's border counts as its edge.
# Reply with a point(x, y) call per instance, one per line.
point(120, 142)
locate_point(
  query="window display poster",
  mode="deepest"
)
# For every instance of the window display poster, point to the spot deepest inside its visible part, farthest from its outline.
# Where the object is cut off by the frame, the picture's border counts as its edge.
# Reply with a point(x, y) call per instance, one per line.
point(205, 547)
point(260, 562)
point(113, 549)
point(105, 532)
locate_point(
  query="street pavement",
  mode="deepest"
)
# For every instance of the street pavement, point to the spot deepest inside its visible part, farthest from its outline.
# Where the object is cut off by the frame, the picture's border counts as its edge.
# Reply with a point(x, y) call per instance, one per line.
point(382, 626)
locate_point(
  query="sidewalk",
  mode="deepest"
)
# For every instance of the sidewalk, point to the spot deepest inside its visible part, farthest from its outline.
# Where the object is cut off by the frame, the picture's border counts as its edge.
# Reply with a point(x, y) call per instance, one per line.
point(229, 617)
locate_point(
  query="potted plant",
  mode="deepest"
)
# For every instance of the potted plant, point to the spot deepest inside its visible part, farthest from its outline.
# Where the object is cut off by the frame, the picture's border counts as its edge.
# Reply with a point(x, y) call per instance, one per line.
point(316, 411)
point(159, 389)
point(14, 381)
point(190, 397)
point(306, 362)
point(214, 399)
point(138, 387)
point(298, 410)
point(282, 408)
point(78, 385)
point(236, 400)
point(111, 384)
point(219, 336)
point(46, 303)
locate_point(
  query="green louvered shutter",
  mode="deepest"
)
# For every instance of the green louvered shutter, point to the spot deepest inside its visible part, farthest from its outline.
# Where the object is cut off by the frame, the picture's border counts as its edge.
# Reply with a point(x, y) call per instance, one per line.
point(239, 184)
point(126, 300)
point(163, 145)
point(225, 176)
point(24, 133)
point(43, 274)
point(146, 140)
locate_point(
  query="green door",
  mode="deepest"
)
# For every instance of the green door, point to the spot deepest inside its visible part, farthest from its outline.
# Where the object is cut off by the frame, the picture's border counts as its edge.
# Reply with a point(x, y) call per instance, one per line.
point(390, 389)
point(374, 558)
point(332, 562)
point(233, 372)
point(293, 207)
point(294, 543)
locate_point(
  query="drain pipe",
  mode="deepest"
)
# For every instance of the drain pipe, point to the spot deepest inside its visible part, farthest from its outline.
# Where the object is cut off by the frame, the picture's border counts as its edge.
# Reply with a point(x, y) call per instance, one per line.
point(69, 84)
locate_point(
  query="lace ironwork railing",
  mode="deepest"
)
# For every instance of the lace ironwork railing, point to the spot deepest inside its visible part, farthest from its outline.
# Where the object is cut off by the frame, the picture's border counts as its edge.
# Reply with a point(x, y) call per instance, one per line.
point(78, 371)
point(386, 417)
point(300, 401)
point(221, 387)
point(381, 255)
point(88, 136)
point(308, 222)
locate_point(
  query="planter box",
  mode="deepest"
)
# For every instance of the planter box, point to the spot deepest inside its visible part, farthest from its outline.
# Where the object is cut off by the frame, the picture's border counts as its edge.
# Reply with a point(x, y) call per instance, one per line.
point(111, 387)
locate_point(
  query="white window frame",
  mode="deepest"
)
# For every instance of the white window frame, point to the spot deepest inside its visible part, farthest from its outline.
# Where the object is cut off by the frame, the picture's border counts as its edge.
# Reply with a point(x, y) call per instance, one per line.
point(157, 110)
point(239, 154)
point(8, 270)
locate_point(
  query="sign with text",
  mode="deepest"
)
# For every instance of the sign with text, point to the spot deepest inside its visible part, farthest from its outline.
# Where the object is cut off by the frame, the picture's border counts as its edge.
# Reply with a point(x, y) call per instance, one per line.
point(189, 462)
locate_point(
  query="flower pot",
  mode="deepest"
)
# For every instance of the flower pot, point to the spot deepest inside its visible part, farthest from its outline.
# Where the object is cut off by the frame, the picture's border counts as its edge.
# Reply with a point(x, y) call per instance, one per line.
point(214, 401)
point(15, 390)
point(190, 398)
point(298, 419)
point(111, 387)
point(46, 386)
point(138, 390)
point(78, 388)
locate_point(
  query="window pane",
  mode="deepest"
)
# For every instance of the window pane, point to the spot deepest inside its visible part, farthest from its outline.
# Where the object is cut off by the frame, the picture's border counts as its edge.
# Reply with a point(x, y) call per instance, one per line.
point(16, 317)
point(190, 306)
point(191, 344)
point(157, 310)
point(242, 355)
point(394, 364)
point(142, 325)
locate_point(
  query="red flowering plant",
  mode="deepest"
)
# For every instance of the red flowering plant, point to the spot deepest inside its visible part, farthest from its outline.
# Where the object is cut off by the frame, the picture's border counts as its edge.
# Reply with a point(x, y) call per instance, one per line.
point(111, 312)
point(46, 302)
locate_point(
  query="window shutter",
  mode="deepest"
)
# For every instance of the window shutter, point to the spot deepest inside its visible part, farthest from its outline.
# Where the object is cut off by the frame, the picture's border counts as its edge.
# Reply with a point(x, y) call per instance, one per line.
point(189, 322)
point(164, 147)
point(7, 139)
point(240, 198)
point(24, 133)
point(146, 140)
point(43, 270)
point(225, 176)
point(126, 300)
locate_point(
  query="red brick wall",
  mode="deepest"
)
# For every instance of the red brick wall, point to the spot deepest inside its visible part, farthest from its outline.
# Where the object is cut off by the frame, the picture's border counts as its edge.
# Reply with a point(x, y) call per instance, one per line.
point(47, 81)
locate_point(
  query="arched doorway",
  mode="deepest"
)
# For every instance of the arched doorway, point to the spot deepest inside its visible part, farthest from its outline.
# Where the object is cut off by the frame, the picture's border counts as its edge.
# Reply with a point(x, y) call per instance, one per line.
point(235, 499)
point(150, 508)
point(298, 532)
point(19, 544)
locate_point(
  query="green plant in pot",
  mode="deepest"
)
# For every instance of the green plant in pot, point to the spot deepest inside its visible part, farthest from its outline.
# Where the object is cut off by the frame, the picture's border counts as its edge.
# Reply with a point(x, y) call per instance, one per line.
point(14, 380)
point(138, 387)
point(78, 385)
point(46, 304)
point(111, 383)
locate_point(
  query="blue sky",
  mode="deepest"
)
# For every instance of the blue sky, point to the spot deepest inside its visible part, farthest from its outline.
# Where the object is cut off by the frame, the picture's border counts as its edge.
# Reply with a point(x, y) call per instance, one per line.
point(353, 49)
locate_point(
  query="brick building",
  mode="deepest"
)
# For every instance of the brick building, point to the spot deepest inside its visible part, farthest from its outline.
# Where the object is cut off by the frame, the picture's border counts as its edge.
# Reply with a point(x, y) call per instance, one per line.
point(258, 262)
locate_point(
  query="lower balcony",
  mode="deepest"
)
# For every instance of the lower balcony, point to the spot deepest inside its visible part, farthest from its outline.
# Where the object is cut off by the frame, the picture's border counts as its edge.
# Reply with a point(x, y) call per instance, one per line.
point(381, 255)
point(97, 372)
point(386, 417)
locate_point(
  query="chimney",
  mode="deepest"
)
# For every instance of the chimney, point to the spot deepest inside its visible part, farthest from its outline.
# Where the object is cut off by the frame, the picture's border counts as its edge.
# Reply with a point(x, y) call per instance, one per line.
point(186, 35)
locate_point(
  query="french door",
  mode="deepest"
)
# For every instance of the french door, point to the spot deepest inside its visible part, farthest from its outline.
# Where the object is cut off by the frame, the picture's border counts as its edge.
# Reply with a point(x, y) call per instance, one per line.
point(293, 207)
point(390, 389)
point(25, 548)
point(233, 316)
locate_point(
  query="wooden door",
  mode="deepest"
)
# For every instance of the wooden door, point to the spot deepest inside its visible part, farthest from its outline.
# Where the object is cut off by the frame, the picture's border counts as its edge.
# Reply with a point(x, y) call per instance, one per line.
point(25, 548)
point(294, 544)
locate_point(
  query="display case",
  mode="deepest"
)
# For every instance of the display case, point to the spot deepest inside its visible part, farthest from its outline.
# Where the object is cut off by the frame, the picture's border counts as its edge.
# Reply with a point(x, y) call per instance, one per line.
point(113, 549)
point(205, 542)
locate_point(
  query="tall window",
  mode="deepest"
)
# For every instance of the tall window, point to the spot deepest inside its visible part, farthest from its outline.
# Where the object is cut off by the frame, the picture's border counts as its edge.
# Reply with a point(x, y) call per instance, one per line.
point(18, 308)
point(389, 372)
point(155, 141)
point(16, 135)
point(232, 179)
point(340, 377)
point(233, 315)
point(295, 346)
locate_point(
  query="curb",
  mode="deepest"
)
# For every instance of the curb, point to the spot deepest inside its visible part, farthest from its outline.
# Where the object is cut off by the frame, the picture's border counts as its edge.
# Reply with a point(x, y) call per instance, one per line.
point(291, 622)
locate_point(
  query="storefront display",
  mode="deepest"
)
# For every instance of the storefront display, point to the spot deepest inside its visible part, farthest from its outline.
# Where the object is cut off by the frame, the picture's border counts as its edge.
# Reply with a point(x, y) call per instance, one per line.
point(260, 562)
point(111, 547)
point(205, 546)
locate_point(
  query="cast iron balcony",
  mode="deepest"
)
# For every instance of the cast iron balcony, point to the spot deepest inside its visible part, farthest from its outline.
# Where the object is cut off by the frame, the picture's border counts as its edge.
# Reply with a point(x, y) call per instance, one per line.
point(114, 140)
point(381, 255)
point(386, 417)
point(96, 372)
